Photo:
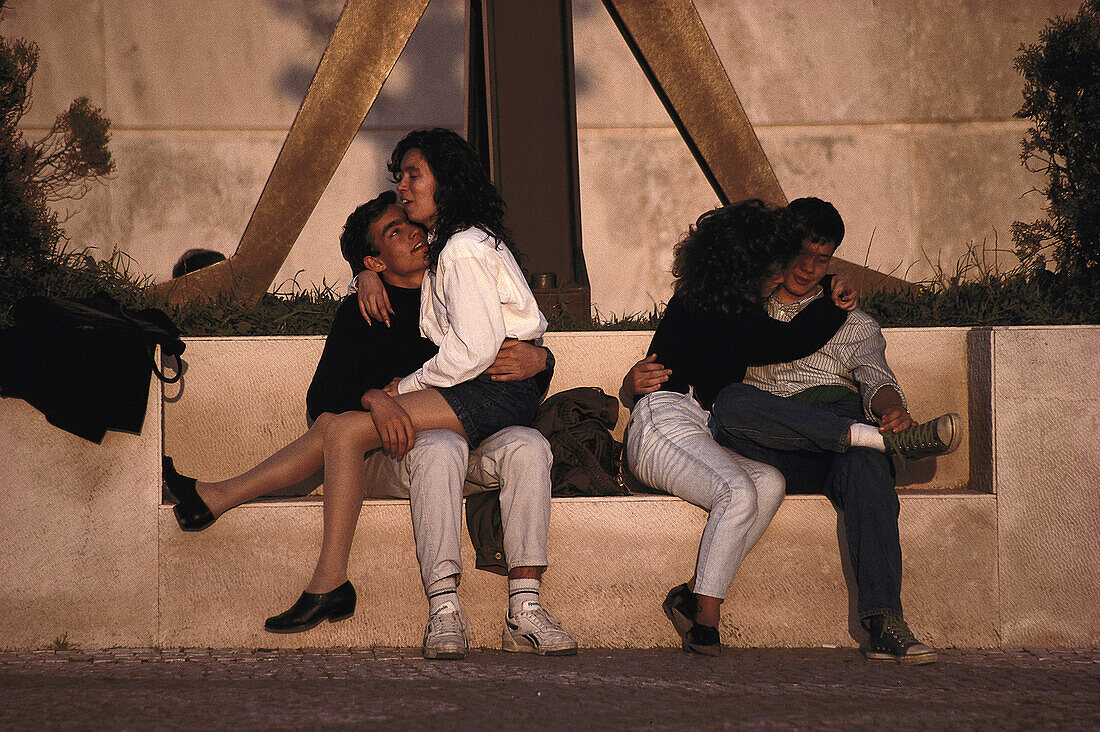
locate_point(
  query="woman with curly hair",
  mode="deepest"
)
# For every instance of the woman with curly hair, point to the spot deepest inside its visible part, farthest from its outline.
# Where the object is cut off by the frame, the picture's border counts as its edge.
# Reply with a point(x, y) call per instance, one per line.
point(473, 298)
point(712, 328)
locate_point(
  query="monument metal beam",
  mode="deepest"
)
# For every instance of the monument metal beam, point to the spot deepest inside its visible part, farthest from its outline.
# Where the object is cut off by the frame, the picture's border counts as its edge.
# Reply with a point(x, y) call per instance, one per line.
point(673, 48)
point(671, 45)
point(363, 49)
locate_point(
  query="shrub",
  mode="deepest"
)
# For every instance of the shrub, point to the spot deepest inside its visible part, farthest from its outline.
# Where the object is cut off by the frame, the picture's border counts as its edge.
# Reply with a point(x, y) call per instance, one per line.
point(1062, 98)
point(60, 166)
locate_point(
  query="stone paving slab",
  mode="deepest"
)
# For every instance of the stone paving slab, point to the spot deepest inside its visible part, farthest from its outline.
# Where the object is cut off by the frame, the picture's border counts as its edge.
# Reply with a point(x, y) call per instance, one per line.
point(772, 688)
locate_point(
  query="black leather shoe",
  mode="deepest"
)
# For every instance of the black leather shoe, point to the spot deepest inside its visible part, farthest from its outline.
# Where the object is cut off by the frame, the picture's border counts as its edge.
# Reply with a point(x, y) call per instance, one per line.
point(312, 609)
point(680, 608)
point(192, 513)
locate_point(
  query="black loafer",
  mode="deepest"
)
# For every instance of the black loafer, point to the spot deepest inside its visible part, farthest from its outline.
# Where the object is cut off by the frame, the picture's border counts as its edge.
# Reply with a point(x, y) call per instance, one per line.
point(312, 609)
point(192, 513)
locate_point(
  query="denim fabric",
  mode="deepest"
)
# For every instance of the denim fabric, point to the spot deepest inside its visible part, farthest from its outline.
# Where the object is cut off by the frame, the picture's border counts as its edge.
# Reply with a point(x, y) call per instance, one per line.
point(670, 447)
point(441, 469)
point(801, 440)
point(484, 406)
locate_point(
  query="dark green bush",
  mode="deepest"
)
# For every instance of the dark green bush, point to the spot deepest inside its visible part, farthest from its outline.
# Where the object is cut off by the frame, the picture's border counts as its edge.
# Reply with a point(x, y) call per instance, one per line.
point(1062, 99)
point(61, 165)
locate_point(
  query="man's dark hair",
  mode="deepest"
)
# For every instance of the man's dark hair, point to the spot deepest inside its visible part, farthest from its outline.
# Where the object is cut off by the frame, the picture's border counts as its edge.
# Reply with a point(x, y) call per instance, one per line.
point(194, 259)
point(355, 241)
point(464, 194)
point(820, 218)
point(725, 257)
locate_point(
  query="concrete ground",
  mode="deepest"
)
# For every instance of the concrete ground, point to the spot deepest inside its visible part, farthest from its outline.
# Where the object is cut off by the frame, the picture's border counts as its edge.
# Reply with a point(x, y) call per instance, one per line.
point(598, 689)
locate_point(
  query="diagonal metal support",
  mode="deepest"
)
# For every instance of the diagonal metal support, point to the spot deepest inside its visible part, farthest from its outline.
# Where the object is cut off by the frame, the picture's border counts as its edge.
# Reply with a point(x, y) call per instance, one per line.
point(671, 45)
point(673, 48)
point(364, 48)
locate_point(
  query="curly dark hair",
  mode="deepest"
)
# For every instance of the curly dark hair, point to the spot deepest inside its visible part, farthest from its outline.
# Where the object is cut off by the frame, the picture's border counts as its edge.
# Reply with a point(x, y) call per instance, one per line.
point(355, 241)
point(464, 194)
point(723, 260)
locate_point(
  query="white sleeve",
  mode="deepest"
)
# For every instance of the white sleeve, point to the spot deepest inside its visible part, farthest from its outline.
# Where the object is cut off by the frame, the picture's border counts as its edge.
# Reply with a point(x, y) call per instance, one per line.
point(476, 326)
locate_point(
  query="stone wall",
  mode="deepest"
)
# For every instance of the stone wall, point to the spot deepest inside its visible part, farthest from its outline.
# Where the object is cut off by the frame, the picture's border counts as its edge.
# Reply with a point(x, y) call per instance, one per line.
point(91, 553)
point(898, 111)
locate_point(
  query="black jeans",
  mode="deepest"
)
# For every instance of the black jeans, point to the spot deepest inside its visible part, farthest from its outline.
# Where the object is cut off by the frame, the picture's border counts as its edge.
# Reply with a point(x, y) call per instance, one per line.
point(799, 435)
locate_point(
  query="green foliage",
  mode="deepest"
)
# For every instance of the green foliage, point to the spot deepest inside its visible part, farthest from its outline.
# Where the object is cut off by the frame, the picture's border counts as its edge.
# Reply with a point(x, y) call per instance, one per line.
point(977, 293)
point(62, 165)
point(1062, 98)
point(62, 643)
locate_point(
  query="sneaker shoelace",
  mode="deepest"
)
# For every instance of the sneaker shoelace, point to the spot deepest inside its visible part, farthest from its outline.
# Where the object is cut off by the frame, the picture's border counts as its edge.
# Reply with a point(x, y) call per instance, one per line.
point(898, 630)
point(921, 437)
point(446, 623)
point(542, 619)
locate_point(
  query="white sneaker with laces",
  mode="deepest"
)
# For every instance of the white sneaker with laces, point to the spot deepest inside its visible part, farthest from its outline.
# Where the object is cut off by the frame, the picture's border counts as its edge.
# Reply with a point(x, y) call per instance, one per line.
point(534, 630)
point(447, 635)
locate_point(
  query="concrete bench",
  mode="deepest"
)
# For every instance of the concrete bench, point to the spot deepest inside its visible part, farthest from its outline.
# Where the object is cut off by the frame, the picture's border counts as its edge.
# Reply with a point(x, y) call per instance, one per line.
point(993, 555)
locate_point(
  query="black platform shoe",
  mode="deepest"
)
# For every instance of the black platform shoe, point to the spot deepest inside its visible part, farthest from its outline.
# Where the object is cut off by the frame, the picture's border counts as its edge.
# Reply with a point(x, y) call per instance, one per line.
point(191, 511)
point(702, 639)
point(681, 607)
point(312, 609)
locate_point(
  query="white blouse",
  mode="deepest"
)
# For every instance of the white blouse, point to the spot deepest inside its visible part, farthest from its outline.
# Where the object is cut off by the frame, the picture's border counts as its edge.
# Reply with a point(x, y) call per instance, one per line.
point(476, 298)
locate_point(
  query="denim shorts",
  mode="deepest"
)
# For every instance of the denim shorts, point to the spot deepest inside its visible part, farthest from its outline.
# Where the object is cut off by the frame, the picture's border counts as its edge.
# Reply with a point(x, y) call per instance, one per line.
point(484, 406)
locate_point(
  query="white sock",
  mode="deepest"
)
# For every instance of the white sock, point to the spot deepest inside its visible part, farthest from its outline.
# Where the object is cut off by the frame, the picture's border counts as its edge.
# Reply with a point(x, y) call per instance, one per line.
point(441, 592)
point(521, 591)
point(866, 435)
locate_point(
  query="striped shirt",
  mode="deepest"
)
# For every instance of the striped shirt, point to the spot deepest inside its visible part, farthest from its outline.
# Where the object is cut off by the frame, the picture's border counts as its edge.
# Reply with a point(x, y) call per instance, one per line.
point(854, 358)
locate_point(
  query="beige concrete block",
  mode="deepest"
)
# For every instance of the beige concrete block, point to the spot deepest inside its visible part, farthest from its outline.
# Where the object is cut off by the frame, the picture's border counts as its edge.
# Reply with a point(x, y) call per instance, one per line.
point(174, 191)
point(1047, 413)
point(247, 64)
point(612, 90)
point(963, 52)
point(639, 192)
point(70, 39)
point(240, 400)
point(217, 587)
point(796, 586)
point(597, 359)
point(866, 173)
point(791, 63)
point(178, 190)
point(968, 188)
point(931, 366)
point(77, 523)
point(210, 64)
point(805, 62)
point(611, 563)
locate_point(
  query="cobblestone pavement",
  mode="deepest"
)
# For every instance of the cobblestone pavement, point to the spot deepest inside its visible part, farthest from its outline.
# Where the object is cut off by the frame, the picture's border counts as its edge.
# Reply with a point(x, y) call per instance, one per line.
point(598, 689)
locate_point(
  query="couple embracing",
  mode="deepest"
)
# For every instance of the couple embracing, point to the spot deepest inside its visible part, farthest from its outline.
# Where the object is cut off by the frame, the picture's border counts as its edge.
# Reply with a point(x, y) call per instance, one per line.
point(440, 385)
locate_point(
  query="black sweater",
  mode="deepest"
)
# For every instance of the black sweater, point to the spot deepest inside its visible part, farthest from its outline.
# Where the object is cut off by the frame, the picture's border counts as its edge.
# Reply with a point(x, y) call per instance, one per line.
point(710, 350)
point(359, 357)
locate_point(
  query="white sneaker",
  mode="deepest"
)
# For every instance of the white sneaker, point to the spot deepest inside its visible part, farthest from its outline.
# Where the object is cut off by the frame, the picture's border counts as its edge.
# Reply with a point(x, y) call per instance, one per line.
point(533, 630)
point(447, 635)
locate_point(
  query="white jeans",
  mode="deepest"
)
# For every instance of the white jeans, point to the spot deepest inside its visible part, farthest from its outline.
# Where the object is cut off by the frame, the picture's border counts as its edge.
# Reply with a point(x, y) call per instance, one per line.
point(441, 468)
point(670, 447)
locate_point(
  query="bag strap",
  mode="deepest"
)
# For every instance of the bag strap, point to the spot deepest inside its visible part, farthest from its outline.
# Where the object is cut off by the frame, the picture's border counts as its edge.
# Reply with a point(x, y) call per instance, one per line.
point(157, 328)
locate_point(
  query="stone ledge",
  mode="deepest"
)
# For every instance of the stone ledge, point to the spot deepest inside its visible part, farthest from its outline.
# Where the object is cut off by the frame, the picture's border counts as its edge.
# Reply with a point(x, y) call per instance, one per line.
point(217, 587)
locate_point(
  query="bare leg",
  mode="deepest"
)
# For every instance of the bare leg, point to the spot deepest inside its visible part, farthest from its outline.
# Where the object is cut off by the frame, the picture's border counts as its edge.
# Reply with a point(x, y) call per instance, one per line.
point(346, 439)
point(294, 462)
point(710, 608)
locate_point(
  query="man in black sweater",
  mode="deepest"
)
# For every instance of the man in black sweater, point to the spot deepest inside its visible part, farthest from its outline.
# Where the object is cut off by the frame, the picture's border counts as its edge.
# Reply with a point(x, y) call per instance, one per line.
point(433, 468)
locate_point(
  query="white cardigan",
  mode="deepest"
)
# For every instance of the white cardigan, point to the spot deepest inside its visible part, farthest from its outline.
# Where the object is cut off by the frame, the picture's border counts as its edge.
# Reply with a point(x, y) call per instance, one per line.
point(476, 297)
